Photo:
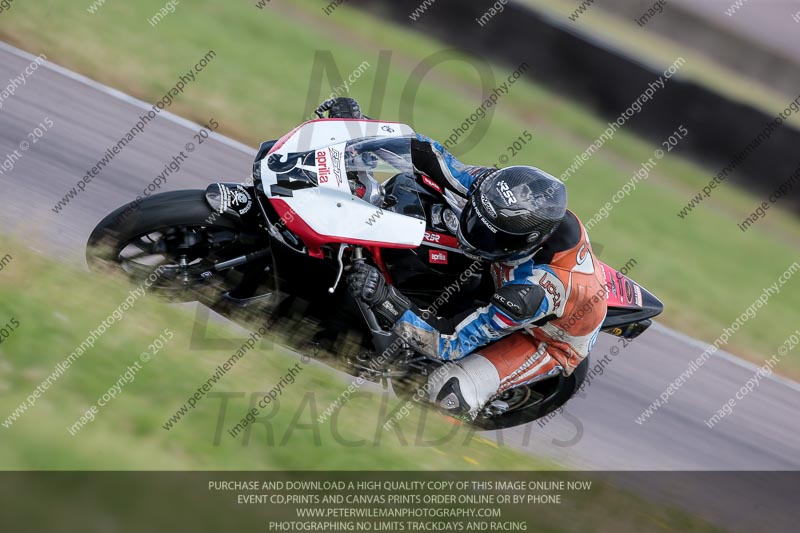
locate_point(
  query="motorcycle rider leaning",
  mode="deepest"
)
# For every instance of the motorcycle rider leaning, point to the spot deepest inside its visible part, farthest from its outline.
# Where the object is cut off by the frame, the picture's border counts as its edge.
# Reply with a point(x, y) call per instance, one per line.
point(549, 300)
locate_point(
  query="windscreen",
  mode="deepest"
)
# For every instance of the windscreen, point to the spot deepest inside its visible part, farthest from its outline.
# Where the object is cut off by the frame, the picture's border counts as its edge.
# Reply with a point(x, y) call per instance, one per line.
point(382, 157)
point(372, 161)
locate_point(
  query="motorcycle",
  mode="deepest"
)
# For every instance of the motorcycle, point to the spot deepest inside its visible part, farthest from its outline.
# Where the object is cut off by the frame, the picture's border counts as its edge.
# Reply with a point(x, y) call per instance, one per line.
point(328, 194)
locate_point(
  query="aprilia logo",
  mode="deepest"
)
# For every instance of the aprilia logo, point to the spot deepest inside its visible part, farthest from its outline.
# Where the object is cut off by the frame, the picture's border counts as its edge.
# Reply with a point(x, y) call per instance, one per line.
point(322, 163)
point(437, 257)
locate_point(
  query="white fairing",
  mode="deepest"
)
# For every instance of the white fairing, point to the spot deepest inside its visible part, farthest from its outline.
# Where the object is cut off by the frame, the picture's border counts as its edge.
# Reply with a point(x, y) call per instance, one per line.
point(340, 215)
point(331, 209)
point(320, 133)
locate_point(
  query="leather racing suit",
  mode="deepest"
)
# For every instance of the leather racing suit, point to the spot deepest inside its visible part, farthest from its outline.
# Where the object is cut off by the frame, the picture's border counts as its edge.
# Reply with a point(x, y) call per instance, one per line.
point(543, 318)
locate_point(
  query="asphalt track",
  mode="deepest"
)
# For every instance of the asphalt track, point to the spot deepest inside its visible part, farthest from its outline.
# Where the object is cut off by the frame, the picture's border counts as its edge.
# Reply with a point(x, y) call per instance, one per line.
point(771, 23)
point(597, 431)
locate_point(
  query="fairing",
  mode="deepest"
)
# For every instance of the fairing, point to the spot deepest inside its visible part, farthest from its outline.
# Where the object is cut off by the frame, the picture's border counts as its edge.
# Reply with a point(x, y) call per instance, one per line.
point(630, 306)
point(310, 177)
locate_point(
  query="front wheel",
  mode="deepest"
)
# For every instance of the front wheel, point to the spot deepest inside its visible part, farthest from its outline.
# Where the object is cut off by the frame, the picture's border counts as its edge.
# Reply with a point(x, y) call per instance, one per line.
point(177, 236)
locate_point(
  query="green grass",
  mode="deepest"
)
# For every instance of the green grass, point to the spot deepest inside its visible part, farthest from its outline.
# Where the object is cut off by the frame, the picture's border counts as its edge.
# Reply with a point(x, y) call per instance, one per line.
point(704, 268)
point(127, 433)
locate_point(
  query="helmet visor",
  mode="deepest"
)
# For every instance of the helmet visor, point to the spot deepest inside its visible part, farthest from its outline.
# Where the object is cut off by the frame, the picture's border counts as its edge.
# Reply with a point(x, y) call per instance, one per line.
point(477, 236)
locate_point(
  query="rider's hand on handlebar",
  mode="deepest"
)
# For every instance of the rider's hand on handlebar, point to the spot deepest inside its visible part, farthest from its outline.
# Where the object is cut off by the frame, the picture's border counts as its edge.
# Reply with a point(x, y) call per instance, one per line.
point(367, 284)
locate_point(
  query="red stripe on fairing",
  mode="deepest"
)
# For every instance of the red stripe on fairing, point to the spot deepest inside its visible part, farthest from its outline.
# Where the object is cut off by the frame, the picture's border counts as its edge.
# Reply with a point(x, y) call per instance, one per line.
point(434, 237)
point(283, 140)
point(376, 255)
point(314, 240)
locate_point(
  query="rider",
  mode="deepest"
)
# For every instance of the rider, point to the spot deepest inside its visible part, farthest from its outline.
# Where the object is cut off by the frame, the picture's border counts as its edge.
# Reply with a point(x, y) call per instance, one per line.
point(549, 299)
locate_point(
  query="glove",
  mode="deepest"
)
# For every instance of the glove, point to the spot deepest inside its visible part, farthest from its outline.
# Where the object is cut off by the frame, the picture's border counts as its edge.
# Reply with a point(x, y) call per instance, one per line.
point(367, 284)
point(341, 107)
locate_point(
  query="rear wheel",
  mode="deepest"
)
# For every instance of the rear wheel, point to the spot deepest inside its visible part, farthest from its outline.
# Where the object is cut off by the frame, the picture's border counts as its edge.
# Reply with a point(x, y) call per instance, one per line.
point(526, 403)
point(530, 402)
point(178, 236)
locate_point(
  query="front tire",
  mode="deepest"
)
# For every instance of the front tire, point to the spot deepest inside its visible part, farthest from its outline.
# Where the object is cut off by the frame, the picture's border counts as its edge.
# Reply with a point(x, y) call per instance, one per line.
point(178, 233)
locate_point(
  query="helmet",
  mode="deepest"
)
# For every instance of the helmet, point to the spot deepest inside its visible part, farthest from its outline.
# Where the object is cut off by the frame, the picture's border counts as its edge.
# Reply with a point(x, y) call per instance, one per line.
point(511, 213)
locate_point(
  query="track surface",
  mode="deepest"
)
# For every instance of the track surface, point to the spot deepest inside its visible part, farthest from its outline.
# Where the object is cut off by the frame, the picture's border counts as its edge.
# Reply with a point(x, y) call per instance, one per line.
point(597, 431)
point(767, 22)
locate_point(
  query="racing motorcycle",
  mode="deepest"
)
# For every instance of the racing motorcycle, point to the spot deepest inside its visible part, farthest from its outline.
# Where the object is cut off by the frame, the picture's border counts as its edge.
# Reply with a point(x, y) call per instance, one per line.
point(328, 194)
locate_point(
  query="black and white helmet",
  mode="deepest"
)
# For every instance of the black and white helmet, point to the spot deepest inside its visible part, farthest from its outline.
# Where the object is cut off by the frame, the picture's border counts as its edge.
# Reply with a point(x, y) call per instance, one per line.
point(511, 213)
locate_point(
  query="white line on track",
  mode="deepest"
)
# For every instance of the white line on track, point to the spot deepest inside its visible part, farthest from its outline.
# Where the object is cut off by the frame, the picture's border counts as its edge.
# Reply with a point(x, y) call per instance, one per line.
point(126, 98)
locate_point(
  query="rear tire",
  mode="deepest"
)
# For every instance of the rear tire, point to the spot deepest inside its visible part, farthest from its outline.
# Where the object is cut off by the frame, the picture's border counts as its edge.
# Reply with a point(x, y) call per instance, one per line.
point(563, 388)
point(555, 392)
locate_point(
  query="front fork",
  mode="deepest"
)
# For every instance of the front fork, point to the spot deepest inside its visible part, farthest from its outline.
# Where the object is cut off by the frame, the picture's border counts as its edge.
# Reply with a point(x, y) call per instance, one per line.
point(388, 345)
